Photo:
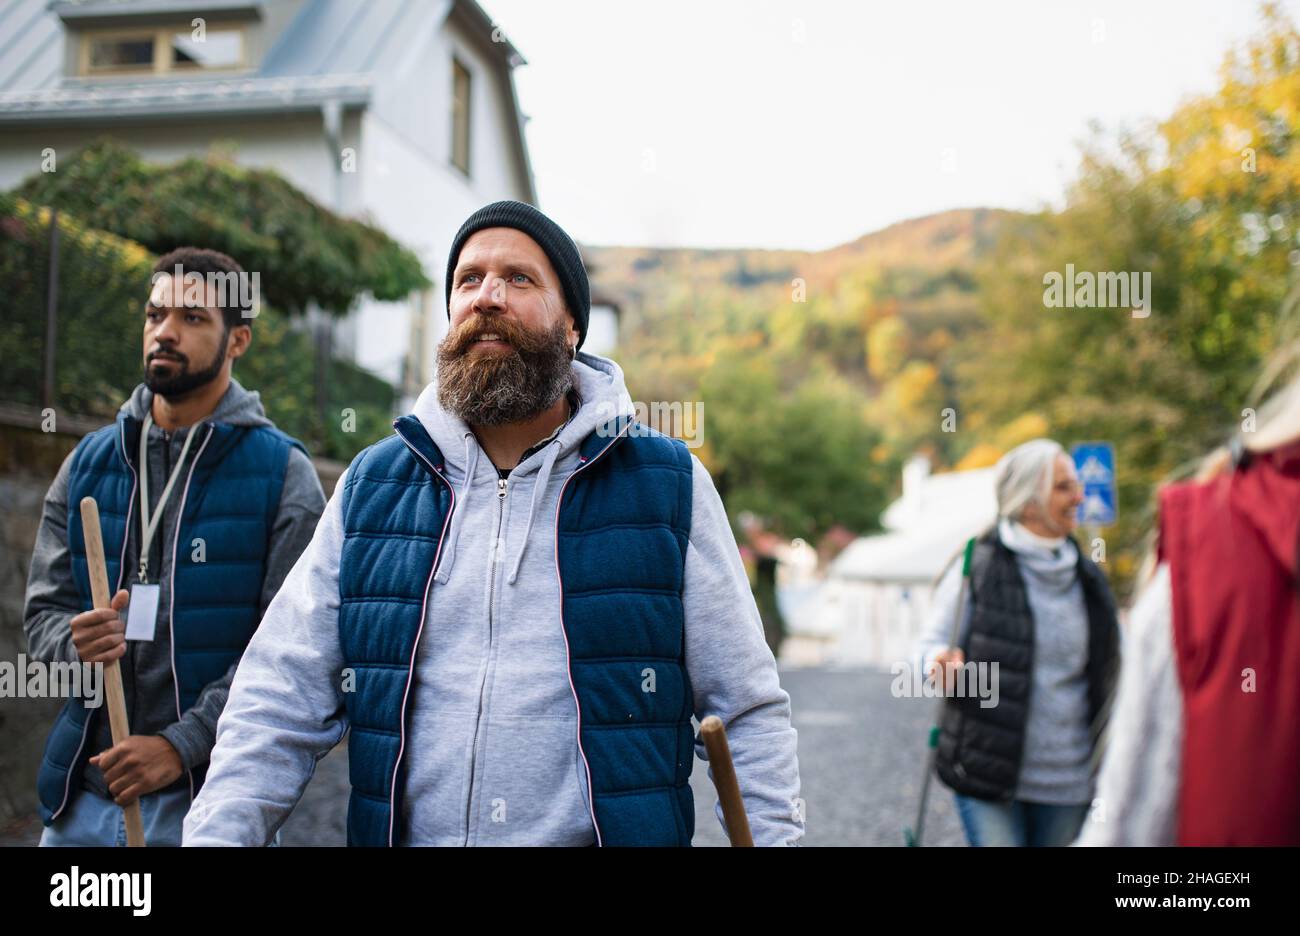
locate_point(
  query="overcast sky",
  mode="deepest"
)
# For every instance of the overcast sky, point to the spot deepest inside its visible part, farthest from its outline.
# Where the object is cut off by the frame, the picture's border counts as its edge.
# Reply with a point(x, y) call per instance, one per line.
point(714, 123)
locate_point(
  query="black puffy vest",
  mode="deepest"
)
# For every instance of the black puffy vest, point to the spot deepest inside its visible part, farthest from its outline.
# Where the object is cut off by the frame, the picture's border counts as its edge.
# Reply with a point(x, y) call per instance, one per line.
point(980, 749)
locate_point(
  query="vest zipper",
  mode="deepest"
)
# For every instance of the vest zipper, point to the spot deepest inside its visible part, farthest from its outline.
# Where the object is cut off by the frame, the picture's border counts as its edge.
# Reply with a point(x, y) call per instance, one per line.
point(585, 463)
point(424, 610)
point(171, 587)
point(502, 486)
point(415, 647)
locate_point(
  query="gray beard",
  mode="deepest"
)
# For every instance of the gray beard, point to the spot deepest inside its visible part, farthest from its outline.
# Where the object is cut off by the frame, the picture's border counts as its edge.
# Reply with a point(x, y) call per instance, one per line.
point(508, 389)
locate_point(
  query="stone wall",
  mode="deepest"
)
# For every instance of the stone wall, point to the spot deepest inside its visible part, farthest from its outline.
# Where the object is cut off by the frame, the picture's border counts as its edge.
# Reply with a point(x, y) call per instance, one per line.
point(29, 460)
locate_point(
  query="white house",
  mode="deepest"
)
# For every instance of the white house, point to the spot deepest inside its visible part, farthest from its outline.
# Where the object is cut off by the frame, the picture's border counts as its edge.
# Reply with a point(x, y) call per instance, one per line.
point(401, 112)
point(602, 323)
point(873, 602)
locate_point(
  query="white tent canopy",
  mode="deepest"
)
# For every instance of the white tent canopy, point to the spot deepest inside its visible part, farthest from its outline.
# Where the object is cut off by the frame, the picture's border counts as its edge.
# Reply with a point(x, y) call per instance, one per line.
point(925, 527)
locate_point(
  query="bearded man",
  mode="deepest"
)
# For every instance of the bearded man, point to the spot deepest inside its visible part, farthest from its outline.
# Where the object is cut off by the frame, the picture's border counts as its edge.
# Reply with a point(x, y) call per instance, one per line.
point(516, 604)
point(205, 506)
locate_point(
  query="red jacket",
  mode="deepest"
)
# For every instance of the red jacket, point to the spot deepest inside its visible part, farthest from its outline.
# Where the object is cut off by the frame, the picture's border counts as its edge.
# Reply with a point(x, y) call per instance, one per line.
point(1231, 545)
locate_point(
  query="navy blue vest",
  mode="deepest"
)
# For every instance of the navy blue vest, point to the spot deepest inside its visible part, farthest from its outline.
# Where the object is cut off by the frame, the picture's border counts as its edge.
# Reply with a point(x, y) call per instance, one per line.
point(229, 496)
point(623, 524)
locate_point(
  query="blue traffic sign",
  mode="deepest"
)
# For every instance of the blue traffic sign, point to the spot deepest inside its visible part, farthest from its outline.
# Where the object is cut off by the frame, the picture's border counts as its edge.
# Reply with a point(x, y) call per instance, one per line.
point(1095, 464)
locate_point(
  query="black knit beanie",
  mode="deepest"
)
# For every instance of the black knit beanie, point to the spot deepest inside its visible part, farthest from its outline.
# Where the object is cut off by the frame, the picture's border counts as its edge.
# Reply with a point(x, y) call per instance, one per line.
point(559, 247)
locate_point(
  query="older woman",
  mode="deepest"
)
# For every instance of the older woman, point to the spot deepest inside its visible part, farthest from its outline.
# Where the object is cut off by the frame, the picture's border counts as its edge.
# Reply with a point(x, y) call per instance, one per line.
point(1042, 613)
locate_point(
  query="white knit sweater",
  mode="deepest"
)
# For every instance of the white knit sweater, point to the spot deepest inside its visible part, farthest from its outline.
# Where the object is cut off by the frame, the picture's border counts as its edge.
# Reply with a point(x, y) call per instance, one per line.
point(1137, 791)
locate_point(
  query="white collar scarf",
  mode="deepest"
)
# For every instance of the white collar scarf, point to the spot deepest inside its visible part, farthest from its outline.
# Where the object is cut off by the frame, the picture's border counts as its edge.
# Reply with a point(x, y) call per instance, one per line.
point(1051, 560)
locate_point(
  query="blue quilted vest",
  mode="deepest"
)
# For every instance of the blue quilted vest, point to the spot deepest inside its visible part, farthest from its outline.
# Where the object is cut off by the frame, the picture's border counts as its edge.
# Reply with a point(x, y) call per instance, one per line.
point(624, 520)
point(229, 496)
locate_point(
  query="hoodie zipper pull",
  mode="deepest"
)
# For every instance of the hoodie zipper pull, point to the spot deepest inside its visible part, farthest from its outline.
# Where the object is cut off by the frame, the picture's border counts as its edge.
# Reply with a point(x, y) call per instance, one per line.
point(501, 488)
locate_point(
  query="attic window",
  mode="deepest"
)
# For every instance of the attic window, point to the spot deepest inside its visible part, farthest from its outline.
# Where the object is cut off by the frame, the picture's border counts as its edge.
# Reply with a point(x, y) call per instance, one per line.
point(161, 51)
point(218, 49)
point(460, 111)
point(121, 53)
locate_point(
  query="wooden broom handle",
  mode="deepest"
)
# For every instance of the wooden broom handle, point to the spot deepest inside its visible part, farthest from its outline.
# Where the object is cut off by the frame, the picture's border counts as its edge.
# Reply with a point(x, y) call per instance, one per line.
point(724, 779)
point(117, 721)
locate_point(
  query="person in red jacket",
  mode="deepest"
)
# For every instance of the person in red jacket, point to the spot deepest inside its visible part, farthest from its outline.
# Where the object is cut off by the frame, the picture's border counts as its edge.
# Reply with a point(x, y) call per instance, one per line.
point(1205, 745)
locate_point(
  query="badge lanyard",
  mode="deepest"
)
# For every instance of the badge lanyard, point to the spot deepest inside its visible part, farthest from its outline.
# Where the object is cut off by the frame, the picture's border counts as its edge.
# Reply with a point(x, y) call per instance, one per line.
point(143, 610)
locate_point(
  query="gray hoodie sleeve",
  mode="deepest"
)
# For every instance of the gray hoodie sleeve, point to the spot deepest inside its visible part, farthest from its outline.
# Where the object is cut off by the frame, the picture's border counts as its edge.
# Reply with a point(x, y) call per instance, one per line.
point(285, 706)
point(301, 504)
point(734, 675)
point(936, 632)
point(52, 597)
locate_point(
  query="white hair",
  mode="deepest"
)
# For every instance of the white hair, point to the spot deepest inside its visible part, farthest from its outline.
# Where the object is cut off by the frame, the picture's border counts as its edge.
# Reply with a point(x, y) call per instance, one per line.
point(1024, 475)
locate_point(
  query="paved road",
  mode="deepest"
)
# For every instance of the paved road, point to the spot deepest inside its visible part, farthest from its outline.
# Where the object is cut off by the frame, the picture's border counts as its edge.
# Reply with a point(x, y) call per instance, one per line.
point(860, 756)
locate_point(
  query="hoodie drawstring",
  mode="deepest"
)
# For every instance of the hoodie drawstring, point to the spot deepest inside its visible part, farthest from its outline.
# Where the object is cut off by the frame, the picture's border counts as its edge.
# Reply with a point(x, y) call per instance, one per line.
point(458, 514)
point(543, 479)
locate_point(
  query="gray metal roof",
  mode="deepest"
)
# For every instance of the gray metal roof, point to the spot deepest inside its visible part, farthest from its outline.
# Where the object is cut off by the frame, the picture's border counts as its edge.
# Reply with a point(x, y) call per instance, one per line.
point(165, 99)
point(329, 45)
point(31, 45)
point(95, 10)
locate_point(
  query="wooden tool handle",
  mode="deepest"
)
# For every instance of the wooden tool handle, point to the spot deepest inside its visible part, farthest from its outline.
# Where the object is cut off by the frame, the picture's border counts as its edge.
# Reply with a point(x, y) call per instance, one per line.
point(724, 779)
point(115, 698)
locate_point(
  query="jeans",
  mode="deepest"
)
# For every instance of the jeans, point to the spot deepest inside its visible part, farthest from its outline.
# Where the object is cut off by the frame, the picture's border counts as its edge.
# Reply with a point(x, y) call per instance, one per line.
point(1018, 824)
point(92, 820)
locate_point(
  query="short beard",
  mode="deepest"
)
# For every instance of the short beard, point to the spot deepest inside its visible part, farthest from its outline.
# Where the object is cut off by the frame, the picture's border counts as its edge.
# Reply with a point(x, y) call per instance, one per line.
point(499, 388)
point(184, 381)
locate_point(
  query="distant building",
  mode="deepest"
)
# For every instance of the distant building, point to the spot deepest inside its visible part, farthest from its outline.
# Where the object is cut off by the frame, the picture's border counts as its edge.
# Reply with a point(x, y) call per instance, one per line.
point(605, 318)
point(401, 112)
point(603, 324)
point(873, 603)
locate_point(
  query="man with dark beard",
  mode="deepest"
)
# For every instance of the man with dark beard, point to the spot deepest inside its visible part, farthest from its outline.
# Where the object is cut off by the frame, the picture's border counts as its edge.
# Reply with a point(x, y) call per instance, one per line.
point(516, 604)
point(204, 507)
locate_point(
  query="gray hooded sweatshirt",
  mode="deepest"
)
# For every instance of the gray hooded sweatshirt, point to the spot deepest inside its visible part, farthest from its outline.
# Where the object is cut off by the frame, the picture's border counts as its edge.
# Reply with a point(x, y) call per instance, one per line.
point(492, 748)
point(53, 599)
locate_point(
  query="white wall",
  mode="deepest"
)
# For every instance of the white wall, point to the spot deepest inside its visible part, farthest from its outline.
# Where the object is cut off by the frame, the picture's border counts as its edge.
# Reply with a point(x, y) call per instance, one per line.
point(290, 144)
point(413, 100)
point(410, 188)
point(422, 203)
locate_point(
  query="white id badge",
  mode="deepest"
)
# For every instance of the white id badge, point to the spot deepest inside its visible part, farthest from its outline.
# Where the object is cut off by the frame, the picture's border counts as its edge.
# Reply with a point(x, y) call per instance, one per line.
point(142, 612)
